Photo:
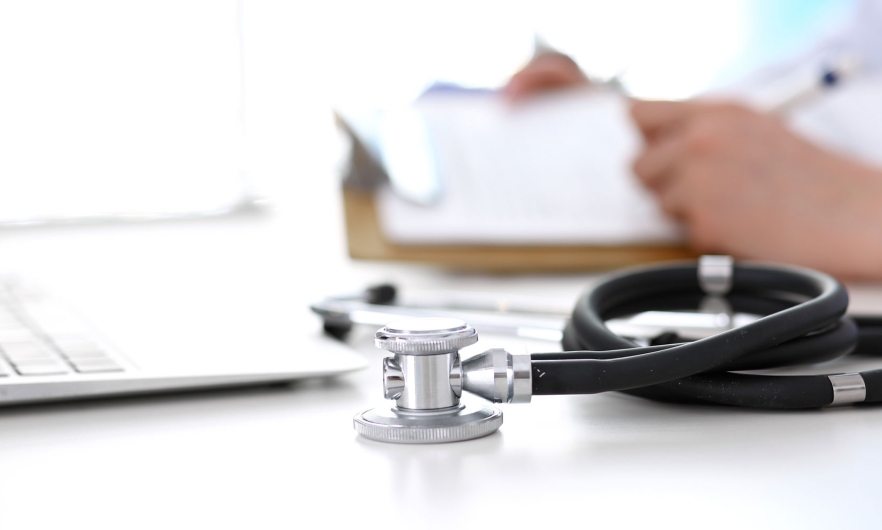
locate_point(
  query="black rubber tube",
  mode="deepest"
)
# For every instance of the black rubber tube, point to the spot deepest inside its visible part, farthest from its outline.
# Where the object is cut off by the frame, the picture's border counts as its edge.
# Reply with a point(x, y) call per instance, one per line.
point(807, 325)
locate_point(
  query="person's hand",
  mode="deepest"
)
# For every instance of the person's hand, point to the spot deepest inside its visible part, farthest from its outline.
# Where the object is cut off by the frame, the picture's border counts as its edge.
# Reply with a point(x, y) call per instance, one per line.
point(545, 72)
point(743, 184)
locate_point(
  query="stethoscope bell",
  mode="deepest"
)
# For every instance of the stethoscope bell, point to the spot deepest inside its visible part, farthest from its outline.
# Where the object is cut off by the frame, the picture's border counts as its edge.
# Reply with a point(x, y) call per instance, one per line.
point(426, 379)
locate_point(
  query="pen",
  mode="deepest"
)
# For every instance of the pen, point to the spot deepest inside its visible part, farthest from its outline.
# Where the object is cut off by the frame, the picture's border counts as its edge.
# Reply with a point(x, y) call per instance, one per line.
point(798, 95)
point(830, 78)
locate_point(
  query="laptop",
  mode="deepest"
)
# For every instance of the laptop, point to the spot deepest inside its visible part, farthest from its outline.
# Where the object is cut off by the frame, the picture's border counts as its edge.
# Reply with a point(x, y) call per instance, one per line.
point(140, 118)
point(50, 352)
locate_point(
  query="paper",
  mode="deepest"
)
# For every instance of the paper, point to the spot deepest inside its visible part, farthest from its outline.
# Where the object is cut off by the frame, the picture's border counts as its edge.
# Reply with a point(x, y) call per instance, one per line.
point(553, 170)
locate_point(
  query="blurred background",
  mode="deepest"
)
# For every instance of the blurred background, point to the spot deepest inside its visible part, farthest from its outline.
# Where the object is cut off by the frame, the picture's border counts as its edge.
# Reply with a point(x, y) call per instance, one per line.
point(303, 58)
point(379, 52)
point(111, 95)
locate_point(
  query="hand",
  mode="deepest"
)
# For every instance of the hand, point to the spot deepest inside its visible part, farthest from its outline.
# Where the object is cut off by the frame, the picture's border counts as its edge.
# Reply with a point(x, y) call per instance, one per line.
point(743, 184)
point(545, 72)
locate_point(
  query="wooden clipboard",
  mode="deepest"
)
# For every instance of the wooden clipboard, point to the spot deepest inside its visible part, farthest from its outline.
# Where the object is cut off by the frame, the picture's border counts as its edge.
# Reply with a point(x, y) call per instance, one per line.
point(365, 238)
point(366, 241)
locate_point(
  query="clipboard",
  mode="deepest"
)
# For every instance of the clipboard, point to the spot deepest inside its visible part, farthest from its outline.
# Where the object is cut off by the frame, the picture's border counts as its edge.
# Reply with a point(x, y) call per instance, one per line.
point(365, 241)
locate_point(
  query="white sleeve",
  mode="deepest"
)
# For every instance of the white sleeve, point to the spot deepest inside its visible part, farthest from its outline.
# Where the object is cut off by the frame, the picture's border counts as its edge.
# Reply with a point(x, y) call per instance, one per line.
point(846, 119)
point(858, 40)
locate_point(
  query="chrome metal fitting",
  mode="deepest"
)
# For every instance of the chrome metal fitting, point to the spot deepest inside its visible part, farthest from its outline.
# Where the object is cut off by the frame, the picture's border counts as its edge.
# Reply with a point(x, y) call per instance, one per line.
point(847, 388)
point(500, 376)
point(715, 274)
point(424, 372)
point(426, 379)
point(393, 379)
point(425, 336)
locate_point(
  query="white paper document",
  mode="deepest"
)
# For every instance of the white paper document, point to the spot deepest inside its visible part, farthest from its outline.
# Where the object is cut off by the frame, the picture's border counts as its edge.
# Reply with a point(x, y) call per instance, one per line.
point(552, 170)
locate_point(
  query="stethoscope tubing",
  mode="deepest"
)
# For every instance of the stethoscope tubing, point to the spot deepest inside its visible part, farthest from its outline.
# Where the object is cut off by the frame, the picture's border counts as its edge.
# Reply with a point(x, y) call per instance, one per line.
point(813, 329)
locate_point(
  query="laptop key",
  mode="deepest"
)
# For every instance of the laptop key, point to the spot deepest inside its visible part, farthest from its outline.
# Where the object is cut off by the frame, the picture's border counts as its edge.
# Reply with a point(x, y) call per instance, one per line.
point(91, 366)
point(36, 361)
point(41, 369)
point(79, 349)
point(24, 351)
point(93, 355)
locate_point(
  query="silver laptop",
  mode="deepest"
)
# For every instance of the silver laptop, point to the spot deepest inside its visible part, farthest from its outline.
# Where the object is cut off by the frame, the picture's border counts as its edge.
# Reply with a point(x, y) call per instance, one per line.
point(49, 351)
point(174, 107)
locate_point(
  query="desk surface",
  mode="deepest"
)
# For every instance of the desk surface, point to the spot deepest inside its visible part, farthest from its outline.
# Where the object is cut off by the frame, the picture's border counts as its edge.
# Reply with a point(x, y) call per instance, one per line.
point(284, 456)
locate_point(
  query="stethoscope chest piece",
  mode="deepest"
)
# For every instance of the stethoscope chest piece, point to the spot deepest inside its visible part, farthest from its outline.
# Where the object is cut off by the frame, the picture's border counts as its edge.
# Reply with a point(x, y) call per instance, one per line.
point(465, 422)
point(425, 378)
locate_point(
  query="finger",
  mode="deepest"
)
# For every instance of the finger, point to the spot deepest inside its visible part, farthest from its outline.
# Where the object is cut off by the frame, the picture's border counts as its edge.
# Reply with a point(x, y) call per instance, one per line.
point(544, 74)
point(655, 117)
point(528, 84)
point(674, 198)
point(658, 162)
point(688, 195)
point(540, 80)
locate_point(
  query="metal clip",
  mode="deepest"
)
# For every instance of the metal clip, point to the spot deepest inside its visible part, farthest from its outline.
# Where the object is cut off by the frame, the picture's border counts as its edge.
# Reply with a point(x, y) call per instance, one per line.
point(715, 274)
point(847, 388)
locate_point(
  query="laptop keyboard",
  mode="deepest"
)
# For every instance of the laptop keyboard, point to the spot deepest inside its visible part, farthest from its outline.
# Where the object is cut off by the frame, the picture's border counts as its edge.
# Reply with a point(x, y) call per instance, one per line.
point(39, 337)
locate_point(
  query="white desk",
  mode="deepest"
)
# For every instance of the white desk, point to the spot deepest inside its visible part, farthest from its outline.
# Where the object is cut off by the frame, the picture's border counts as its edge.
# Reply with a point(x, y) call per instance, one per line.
point(288, 457)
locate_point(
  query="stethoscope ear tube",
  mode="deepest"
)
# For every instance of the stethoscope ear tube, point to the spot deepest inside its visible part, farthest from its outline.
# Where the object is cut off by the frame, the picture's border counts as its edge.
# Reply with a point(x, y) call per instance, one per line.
point(812, 329)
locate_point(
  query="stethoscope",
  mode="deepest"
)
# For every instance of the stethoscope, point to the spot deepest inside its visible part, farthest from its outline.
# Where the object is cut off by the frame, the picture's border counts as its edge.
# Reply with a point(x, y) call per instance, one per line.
point(789, 316)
